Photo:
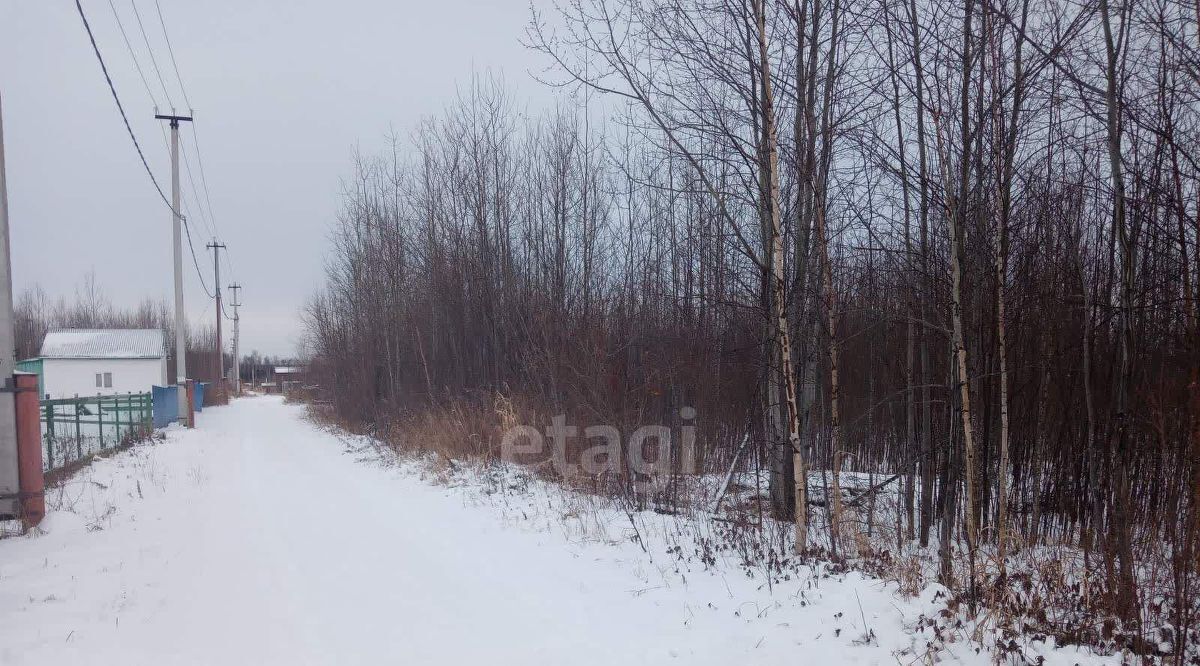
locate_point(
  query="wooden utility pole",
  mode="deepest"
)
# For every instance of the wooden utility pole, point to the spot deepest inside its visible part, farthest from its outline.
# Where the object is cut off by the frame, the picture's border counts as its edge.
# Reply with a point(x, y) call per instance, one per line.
point(216, 248)
point(237, 355)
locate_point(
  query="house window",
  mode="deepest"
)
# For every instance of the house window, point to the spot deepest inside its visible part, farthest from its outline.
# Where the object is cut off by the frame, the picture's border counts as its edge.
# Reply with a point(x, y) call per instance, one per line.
point(99, 380)
point(108, 380)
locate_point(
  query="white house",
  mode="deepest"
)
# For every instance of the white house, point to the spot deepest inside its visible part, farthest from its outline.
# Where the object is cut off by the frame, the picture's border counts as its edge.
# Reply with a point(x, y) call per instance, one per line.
point(85, 361)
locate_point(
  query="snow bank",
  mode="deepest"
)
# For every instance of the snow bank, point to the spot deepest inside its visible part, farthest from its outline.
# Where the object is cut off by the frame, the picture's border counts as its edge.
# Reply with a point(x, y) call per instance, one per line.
point(259, 538)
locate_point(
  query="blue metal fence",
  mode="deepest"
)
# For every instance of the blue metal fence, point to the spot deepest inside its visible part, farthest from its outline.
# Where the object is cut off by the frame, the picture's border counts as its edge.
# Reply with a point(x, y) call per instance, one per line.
point(198, 395)
point(166, 405)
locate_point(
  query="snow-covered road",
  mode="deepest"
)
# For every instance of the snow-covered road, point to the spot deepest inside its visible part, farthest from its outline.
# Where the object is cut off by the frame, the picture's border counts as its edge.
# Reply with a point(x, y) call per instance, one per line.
point(260, 539)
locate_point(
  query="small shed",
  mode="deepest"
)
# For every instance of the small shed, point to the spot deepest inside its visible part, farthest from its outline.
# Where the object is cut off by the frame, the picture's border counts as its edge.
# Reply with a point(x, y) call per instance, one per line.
point(86, 361)
point(288, 376)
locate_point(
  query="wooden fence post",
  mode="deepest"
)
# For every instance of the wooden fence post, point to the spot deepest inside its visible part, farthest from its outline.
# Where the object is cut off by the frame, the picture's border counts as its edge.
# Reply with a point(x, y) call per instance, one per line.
point(191, 403)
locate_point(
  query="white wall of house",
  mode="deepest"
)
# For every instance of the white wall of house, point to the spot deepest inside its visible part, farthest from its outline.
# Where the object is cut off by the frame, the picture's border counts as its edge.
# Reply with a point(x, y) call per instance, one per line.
point(66, 377)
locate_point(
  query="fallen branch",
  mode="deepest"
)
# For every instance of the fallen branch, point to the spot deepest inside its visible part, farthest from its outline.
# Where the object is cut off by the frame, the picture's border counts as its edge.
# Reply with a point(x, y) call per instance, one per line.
point(729, 474)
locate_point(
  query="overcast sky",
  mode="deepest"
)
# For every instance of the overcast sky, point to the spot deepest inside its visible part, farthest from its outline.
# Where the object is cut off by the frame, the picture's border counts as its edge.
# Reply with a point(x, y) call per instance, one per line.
point(282, 92)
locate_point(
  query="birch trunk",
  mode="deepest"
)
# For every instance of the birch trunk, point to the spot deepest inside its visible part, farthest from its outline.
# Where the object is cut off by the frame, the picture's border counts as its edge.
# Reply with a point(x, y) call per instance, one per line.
point(1010, 151)
point(954, 223)
point(783, 341)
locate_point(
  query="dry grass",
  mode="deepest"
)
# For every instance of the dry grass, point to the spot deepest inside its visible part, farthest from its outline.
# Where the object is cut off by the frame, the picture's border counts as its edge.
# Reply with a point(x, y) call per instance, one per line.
point(216, 394)
point(1045, 592)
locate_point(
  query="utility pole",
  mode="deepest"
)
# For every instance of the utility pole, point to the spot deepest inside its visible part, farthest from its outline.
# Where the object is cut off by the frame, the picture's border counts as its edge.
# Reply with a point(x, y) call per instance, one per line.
point(177, 238)
point(237, 354)
point(216, 248)
point(10, 480)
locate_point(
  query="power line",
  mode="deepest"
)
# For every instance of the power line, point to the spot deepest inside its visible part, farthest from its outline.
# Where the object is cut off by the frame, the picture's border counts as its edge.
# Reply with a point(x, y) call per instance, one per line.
point(150, 93)
point(129, 129)
point(132, 54)
point(184, 204)
point(145, 82)
point(150, 50)
point(137, 65)
point(205, 217)
point(117, 99)
point(171, 51)
point(211, 217)
point(137, 146)
point(229, 264)
point(203, 177)
point(195, 262)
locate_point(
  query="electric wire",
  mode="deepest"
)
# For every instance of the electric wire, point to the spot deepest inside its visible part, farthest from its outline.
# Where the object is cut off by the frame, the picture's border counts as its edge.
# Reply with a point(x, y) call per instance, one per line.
point(132, 55)
point(150, 93)
point(133, 137)
point(129, 128)
point(205, 217)
point(212, 221)
point(171, 52)
point(195, 261)
point(150, 50)
point(141, 72)
point(125, 118)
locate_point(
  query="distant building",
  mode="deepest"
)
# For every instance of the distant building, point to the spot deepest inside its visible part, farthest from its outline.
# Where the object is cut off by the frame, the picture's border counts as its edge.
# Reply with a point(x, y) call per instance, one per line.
point(86, 361)
point(287, 377)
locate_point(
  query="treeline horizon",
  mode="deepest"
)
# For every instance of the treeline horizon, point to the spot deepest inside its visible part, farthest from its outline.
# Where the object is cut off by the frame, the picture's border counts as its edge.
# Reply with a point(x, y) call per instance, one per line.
point(955, 242)
point(35, 313)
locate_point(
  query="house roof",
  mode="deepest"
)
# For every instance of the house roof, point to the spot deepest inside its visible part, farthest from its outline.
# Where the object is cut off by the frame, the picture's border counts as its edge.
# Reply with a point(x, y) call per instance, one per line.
point(104, 343)
point(288, 370)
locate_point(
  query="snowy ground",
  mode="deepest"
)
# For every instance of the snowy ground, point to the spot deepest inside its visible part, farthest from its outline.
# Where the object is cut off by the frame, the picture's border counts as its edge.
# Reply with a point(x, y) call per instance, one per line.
point(259, 538)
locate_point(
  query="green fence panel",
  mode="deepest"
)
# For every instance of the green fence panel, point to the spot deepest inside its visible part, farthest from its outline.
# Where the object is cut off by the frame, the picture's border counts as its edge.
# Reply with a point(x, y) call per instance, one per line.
point(75, 429)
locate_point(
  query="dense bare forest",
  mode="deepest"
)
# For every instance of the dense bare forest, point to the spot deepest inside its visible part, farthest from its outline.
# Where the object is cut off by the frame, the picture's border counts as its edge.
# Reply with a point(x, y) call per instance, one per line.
point(952, 244)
